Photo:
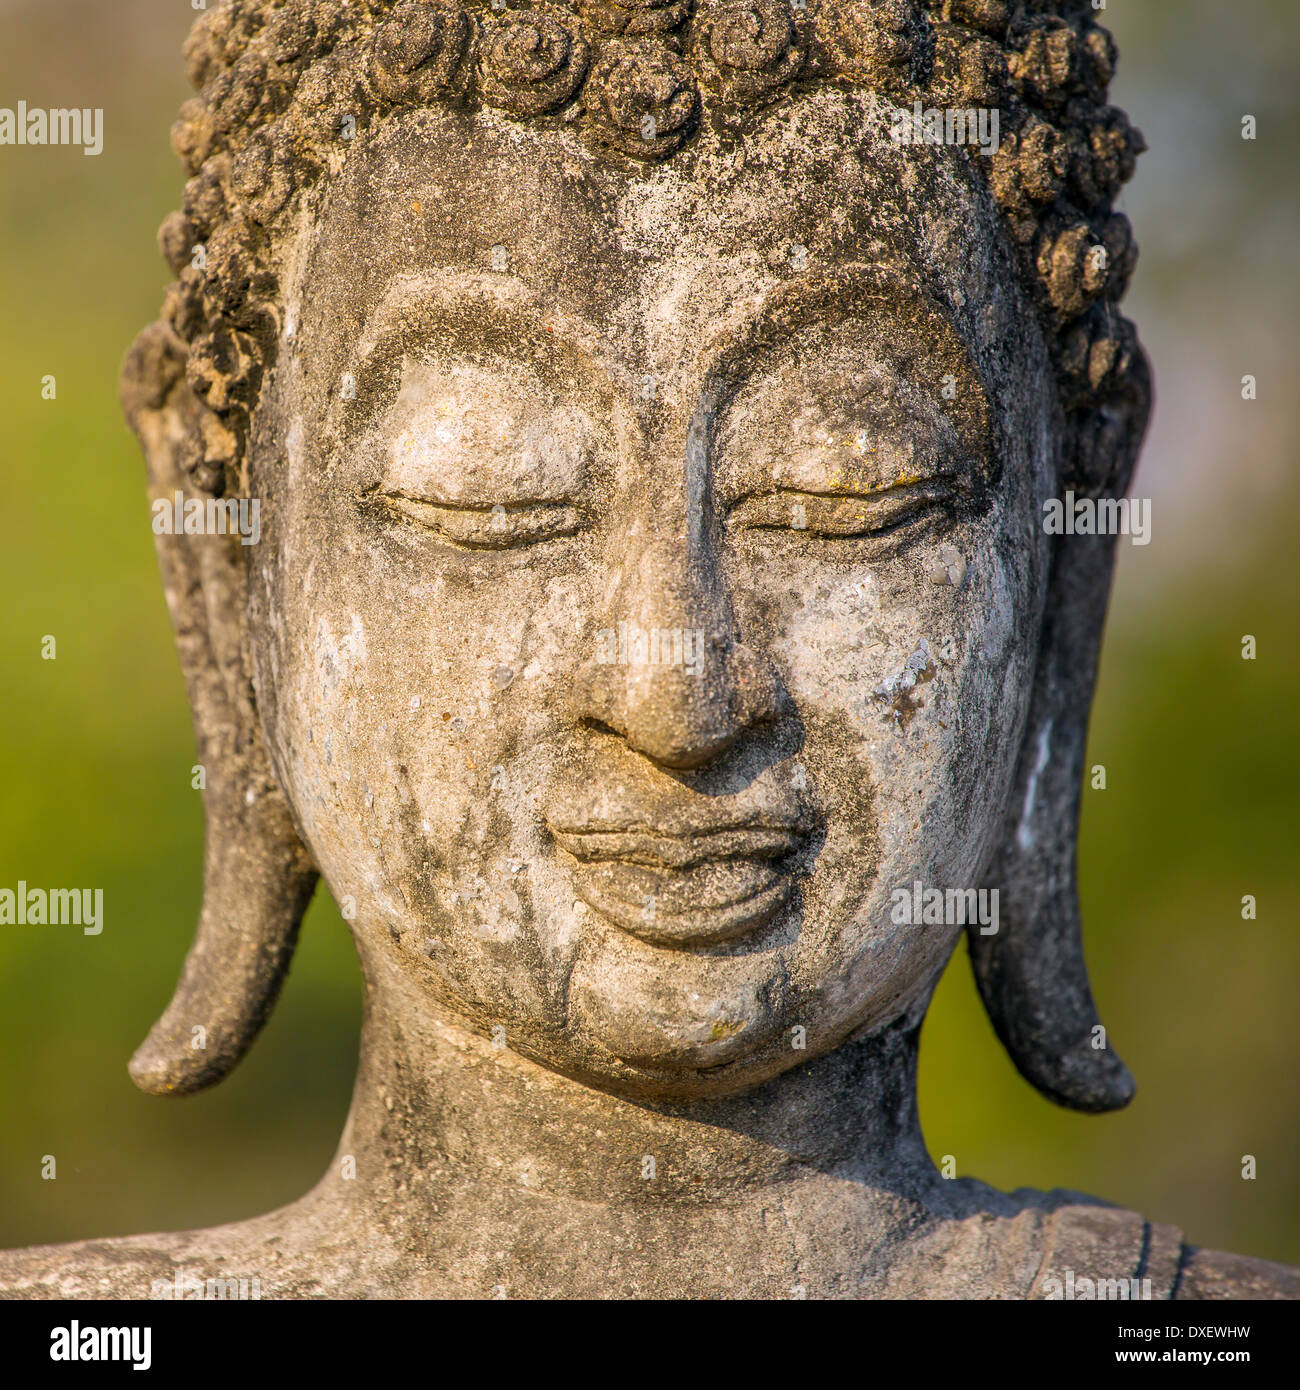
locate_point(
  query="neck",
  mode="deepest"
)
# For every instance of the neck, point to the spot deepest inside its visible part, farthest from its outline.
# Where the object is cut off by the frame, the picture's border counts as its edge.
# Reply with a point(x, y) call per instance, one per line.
point(457, 1109)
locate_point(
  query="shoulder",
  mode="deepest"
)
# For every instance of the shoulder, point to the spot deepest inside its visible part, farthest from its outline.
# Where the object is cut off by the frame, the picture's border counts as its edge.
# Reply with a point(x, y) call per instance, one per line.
point(1212, 1274)
point(1079, 1248)
point(1065, 1245)
point(269, 1257)
point(126, 1268)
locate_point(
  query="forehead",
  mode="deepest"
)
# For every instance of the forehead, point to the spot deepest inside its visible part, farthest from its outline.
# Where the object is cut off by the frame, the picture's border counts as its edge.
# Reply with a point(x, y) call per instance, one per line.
point(641, 250)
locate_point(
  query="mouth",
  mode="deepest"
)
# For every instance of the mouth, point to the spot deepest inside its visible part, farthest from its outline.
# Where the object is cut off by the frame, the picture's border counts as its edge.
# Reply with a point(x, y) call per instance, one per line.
point(691, 886)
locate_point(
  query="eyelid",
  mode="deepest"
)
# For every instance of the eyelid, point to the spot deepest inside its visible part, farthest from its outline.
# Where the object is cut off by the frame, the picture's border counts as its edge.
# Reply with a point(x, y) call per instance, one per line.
point(862, 513)
point(496, 527)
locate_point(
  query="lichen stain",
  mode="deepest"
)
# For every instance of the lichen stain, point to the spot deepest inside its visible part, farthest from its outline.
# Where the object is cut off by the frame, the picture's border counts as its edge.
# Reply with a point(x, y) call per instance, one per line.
point(898, 693)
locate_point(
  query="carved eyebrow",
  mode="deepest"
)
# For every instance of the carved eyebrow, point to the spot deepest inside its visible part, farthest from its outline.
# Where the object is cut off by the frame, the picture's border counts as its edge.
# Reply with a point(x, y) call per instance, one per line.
point(403, 316)
point(456, 294)
point(841, 294)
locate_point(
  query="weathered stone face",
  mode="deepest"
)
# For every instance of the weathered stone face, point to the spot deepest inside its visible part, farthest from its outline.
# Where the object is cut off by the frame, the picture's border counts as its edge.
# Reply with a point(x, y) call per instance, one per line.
point(652, 580)
point(652, 589)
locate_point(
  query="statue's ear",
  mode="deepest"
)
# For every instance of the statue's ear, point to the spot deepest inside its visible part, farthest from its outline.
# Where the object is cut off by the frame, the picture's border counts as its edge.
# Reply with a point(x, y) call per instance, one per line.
point(257, 876)
point(1031, 972)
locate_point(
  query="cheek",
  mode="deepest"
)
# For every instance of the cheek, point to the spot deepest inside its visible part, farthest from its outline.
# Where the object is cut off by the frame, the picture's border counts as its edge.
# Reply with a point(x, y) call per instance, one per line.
point(417, 727)
point(912, 694)
point(923, 682)
point(419, 721)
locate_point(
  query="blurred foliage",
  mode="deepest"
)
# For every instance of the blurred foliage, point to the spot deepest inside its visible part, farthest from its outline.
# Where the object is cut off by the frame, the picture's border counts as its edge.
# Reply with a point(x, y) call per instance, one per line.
point(1202, 759)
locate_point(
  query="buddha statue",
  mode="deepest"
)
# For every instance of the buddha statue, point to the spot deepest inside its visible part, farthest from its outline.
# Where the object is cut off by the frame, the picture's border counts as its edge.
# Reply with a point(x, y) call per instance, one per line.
point(650, 407)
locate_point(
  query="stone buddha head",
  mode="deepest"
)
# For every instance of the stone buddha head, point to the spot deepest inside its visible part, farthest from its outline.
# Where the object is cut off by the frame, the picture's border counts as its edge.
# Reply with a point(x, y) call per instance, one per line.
point(650, 409)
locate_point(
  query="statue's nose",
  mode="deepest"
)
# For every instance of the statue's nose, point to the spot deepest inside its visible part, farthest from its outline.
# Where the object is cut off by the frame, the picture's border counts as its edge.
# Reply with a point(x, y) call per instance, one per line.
point(668, 670)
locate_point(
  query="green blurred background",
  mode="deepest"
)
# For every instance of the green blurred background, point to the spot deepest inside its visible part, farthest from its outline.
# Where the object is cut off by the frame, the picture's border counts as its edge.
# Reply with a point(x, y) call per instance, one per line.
point(1202, 759)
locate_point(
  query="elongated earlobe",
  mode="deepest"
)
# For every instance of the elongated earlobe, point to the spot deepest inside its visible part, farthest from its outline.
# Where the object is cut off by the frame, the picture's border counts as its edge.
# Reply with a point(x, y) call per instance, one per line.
point(1031, 973)
point(257, 882)
point(258, 877)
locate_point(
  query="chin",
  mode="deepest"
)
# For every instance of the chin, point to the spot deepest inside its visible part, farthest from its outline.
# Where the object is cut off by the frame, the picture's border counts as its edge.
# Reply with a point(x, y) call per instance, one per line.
point(672, 1014)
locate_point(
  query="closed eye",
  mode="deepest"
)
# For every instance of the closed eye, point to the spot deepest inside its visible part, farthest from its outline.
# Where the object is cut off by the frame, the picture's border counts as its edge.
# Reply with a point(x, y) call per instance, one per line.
point(496, 527)
point(892, 517)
